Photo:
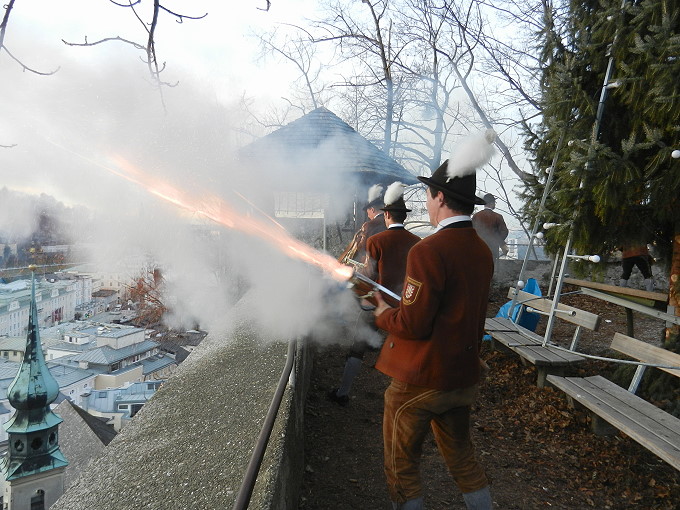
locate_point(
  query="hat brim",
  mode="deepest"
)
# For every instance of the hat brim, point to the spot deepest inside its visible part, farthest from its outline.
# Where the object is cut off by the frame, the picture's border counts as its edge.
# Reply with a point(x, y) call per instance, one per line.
point(397, 209)
point(465, 199)
point(375, 203)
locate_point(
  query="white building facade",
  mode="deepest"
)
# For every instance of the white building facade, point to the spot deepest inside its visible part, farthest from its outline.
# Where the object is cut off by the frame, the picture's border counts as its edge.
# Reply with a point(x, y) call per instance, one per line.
point(56, 299)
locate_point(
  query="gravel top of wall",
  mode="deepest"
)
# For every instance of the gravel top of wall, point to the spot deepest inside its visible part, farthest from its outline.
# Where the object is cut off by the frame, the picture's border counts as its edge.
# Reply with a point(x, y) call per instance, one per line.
point(189, 446)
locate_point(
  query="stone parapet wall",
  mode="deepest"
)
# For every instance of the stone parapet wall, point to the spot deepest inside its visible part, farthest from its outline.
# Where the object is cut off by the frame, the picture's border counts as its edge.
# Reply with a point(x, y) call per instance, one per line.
point(191, 443)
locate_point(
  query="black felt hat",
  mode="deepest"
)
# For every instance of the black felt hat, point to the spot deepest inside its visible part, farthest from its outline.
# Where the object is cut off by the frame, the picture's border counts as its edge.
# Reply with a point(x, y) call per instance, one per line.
point(457, 176)
point(461, 188)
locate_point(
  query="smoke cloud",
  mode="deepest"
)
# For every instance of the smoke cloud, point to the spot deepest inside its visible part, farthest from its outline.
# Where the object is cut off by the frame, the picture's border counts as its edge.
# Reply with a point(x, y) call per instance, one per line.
point(70, 127)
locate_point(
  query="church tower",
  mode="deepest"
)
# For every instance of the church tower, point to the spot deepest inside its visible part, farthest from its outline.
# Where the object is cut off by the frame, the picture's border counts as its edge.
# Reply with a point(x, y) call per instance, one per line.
point(33, 467)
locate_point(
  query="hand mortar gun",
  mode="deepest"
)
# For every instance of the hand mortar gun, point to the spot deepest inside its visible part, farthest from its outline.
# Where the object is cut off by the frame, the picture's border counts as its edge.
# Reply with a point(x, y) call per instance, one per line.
point(365, 288)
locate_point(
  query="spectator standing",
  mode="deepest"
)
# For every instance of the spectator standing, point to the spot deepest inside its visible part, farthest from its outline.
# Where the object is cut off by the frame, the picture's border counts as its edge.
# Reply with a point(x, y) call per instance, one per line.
point(636, 255)
point(490, 226)
point(434, 338)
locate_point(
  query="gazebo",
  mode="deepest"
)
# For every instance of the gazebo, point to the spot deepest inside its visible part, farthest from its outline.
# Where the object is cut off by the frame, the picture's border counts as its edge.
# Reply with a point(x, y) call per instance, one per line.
point(318, 167)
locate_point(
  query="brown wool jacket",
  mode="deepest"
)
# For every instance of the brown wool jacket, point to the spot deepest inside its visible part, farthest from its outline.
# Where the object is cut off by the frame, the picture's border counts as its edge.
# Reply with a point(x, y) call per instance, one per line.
point(368, 229)
point(386, 258)
point(435, 334)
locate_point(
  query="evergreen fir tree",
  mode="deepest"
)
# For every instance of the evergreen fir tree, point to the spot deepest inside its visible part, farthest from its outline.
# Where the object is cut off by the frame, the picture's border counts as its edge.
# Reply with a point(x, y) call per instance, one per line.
point(615, 182)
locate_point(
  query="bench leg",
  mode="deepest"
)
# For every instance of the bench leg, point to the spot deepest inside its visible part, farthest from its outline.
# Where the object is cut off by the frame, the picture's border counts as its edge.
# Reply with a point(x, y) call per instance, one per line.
point(601, 427)
point(543, 372)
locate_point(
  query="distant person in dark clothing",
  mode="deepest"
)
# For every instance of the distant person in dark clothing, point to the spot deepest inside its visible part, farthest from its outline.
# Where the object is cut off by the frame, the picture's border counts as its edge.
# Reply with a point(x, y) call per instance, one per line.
point(490, 226)
point(636, 255)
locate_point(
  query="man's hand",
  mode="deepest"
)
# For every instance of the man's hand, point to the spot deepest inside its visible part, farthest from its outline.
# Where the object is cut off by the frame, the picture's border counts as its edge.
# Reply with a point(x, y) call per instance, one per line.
point(381, 305)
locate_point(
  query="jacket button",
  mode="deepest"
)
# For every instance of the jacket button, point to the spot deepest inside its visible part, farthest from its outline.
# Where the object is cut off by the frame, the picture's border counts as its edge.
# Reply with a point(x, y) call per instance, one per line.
point(469, 347)
point(391, 344)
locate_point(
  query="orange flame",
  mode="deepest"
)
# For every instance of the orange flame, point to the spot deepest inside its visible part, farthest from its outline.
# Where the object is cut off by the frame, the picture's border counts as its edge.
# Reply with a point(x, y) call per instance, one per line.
point(219, 211)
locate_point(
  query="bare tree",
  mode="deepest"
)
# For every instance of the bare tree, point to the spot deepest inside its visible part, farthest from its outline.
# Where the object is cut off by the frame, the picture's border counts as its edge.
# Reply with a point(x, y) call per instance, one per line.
point(147, 293)
point(296, 48)
point(149, 46)
point(3, 30)
point(369, 39)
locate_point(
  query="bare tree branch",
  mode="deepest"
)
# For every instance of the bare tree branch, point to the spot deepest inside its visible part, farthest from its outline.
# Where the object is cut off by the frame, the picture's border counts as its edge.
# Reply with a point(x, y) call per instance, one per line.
point(3, 31)
point(106, 39)
point(151, 60)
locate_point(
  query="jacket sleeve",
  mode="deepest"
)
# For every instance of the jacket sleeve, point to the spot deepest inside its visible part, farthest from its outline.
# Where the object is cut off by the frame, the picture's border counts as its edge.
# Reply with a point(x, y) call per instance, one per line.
point(421, 296)
point(370, 268)
point(502, 228)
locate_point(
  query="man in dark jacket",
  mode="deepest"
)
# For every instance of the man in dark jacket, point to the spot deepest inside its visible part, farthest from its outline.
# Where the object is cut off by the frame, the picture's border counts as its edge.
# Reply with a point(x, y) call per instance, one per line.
point(356, 249)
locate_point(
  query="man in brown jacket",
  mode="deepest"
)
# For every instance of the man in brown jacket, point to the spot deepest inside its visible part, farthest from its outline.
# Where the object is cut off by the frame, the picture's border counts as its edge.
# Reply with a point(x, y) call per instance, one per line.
point(432, 348)
point(356, 249)
point(385, 263)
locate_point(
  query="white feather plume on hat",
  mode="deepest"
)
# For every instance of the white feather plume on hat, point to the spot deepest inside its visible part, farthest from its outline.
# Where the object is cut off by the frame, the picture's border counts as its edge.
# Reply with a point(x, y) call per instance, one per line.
point(374, 192)
point(394, 192)
point(470, 154)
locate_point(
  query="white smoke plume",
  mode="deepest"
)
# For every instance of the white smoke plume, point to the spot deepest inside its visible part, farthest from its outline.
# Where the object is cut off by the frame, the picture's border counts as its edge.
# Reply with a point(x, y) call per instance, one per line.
point(69, 129)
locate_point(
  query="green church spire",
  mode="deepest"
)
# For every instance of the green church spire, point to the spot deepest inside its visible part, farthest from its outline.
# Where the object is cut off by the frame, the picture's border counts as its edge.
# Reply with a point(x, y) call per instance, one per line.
point(33, 430)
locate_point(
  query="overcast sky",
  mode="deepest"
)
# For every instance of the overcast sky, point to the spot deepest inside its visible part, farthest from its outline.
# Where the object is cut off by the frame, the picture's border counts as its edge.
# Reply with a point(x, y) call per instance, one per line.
point(60, 124)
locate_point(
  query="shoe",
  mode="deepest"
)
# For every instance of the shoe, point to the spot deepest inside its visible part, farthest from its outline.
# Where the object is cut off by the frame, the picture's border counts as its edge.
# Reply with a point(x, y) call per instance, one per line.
point(333, 397)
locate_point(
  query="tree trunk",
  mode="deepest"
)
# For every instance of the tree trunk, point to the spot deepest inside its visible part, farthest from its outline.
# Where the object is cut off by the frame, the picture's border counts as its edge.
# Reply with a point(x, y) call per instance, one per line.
point(674, 281)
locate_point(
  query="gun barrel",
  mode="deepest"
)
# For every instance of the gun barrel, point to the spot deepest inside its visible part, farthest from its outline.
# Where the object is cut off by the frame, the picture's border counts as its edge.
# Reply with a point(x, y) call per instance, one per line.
point(375, 285)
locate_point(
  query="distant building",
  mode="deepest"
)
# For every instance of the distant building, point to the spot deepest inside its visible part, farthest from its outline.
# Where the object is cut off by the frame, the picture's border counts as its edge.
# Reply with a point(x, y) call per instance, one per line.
point(12, 348)
point(119, 405)
point(91, 357)
point(517, 249)
point(120, 355)
point(56, 300)
point(32, 468)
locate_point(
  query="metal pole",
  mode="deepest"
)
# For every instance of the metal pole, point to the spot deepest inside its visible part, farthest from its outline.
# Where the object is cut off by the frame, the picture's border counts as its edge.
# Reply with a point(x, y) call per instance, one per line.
point(554, 270)
point(556, 298)
point(541, 206)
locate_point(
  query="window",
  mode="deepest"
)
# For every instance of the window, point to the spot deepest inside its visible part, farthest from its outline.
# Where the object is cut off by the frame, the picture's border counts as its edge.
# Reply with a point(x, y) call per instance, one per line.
point(123, 406)
point(101, 394)
point(38, 500)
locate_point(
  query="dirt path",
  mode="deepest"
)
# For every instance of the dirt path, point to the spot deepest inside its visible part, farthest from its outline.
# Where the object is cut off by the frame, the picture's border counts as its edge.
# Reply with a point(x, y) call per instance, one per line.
point(538, 452)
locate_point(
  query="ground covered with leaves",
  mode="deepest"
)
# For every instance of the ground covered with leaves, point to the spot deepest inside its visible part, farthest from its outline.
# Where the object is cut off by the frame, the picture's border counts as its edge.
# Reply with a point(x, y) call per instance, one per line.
point(538, 452)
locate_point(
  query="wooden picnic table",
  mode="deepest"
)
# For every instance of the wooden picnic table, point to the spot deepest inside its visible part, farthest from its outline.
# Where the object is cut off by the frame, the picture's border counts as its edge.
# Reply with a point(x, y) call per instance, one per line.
point(653, 304)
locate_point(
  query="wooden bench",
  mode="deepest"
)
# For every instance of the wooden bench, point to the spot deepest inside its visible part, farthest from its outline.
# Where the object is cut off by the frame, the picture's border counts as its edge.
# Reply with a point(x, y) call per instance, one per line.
point(647, 424)
point(548, 359)
point(580, 318)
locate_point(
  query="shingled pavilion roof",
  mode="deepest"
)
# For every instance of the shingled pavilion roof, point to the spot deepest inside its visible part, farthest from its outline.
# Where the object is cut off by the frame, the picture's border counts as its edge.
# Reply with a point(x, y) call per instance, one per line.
point(318, 130)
